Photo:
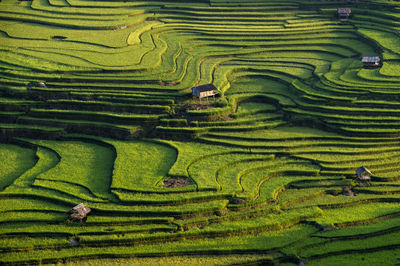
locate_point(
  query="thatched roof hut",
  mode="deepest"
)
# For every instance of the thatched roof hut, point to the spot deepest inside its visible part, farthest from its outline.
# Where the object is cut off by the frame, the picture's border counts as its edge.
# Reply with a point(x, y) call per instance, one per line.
point(79, 212)
point(363, 173)
point(74, 241)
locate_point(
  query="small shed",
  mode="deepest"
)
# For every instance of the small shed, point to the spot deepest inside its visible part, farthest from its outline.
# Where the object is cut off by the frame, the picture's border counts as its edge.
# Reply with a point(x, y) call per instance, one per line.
point(79, 212)
point(343, 12)
point(37, 84)
point(74, 241)
point(203, 91)
point(363, 173)
point(41, 85)
point(371, 61)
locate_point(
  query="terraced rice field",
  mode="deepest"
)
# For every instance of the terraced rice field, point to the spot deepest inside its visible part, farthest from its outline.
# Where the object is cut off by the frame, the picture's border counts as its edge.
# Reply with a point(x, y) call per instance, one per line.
point(262, 166)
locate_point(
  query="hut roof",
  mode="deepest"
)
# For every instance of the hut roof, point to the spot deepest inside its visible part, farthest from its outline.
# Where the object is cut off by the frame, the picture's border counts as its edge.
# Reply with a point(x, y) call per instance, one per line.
point(362, 170)
point(74, 242)
point(370, 59)
point(205, 87)
point(344, 11)
point(40, 84)
point(82, 209)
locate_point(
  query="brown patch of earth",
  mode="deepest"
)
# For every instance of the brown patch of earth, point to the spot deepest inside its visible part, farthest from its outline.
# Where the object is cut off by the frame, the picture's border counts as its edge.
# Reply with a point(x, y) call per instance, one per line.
point(176, 182)
point(196, 106)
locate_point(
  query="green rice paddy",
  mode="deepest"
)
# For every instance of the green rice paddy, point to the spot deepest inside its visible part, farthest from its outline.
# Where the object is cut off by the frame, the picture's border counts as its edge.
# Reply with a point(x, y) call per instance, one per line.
point(96, 108)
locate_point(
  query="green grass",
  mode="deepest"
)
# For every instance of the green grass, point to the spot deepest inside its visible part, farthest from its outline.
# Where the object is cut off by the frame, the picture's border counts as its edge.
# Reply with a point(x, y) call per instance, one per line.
point(80, 230)
point(108, 117)
point(177, 260)
point(189, 152)
point(190, 209)
point(358, 245)
point(32, 216)
point(255, 86)
point(83, 164)
point(140, 165)
point(364, 229)
point(15, 161)
point(264, 241)
point(205, 170)
point(247, 108)
point(387, 257)
point(357, 213)
point(20, 204)
point(47, 160)
point(229, 176)
point(68, 188)
point(185, 195)
point(270, 222)
point(390, 69)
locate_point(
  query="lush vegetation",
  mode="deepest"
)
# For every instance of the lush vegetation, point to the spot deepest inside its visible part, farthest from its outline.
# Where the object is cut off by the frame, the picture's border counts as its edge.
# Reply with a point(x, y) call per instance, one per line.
point(96, 107)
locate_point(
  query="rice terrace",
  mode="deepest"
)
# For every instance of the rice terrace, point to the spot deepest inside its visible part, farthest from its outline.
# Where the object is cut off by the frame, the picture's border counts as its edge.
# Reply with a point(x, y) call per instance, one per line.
point(200, 132)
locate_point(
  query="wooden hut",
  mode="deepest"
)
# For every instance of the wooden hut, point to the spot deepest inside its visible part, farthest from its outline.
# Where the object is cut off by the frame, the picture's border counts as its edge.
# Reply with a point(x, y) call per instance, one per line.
point(363, 173)
point(371, 61)
point(42, 85)
point(79, 212)
point(343, 13)
point(38, 84)
point(204, 91)
point(74, 241)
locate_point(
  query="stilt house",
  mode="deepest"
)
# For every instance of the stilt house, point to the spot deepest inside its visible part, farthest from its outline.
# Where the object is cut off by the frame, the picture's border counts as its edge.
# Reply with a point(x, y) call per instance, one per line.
point(344, 13)
point(204, 91)
point(371, 61)
point(363, 173)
